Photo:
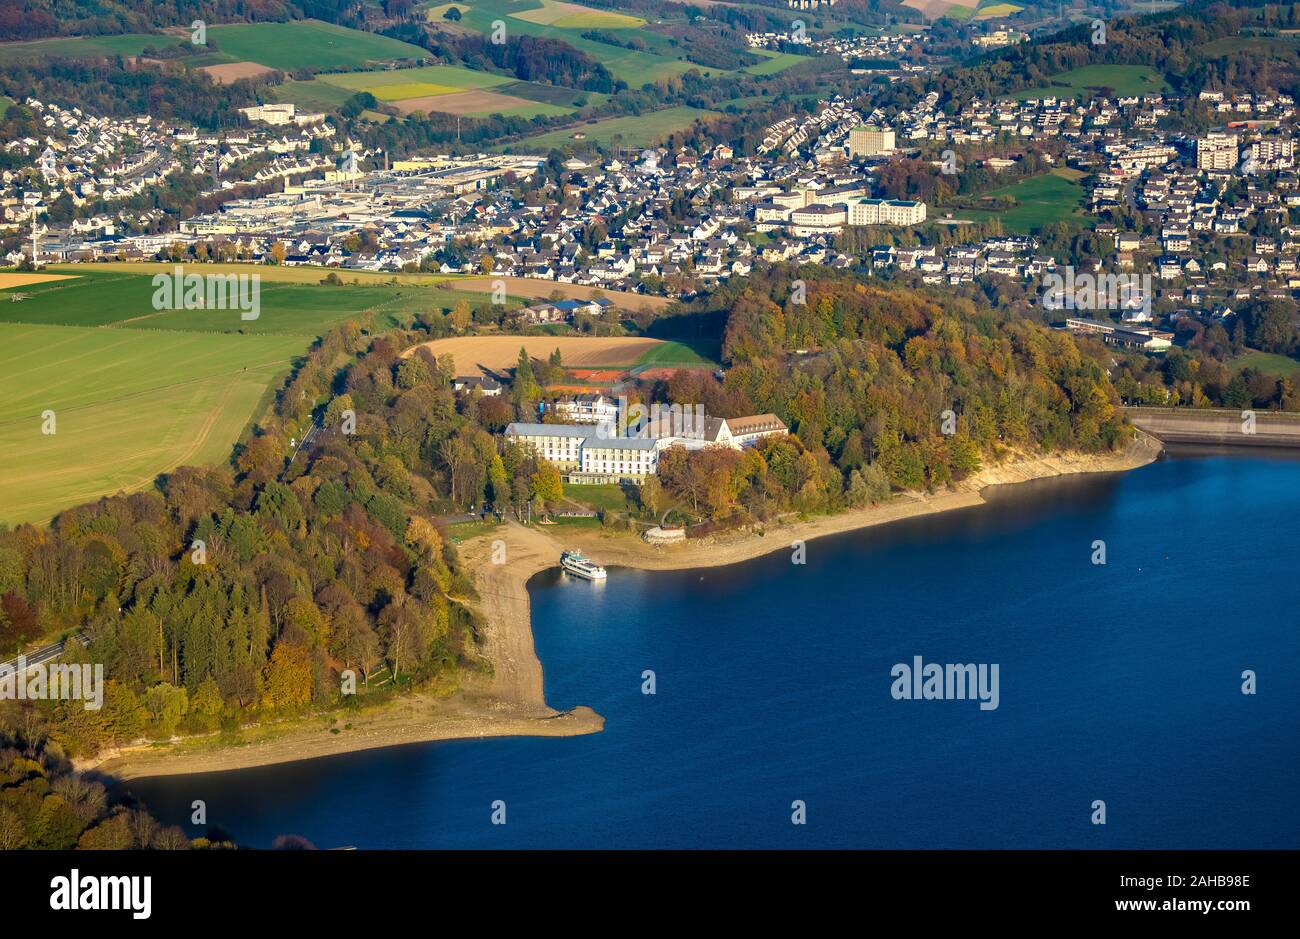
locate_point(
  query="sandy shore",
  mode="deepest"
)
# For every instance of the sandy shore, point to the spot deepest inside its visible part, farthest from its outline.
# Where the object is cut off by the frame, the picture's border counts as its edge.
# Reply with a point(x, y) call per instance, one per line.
point(511, 701)
point(628, 550)
point(508, 703)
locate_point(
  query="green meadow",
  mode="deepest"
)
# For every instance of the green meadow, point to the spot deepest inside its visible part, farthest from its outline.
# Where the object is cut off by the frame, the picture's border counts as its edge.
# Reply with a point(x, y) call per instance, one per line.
point(137, 391)
point(296, 44)
point(676, 352)
point(83, 47)
point(1124, 79)
point(307, 43)
point(658, 61)
point(1270, 363)
point(448, 75)
point(127, 405)
point(329, 91)
point(773, 62)
point(1039, 200)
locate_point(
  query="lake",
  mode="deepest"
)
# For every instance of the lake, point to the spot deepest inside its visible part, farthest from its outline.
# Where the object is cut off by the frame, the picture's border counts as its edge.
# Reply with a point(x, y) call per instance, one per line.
point(1118, 682)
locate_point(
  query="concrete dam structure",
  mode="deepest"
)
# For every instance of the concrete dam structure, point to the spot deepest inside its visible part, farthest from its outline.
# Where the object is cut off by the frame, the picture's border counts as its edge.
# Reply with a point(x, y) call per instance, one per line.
point(1218, 427)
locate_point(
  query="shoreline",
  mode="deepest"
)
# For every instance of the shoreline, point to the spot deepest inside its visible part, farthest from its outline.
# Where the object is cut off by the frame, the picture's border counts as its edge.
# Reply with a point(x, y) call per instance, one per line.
point(628, 550)
point(511, 701)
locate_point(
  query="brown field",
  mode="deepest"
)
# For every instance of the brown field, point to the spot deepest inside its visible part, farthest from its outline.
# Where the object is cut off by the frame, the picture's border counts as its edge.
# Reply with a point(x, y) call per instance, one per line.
point(933, 9)
point(533, 288)
point(234, 71)
point(665, 372)
point(27, 279)
point(498, 354)
point(476, 101)
point(597, 374)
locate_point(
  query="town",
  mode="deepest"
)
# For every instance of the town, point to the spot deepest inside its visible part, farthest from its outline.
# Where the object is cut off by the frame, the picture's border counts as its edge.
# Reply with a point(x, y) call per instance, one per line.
point(676, 222)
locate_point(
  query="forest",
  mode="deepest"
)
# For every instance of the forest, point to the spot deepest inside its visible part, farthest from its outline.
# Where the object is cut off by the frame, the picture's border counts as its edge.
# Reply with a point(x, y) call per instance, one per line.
point(34, 19)
point(865, 377)
point(45, 805)
point(244, 592)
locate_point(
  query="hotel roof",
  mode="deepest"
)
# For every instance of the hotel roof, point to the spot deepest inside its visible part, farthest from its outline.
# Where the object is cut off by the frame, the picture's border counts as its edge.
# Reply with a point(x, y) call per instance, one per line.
point(593, 435)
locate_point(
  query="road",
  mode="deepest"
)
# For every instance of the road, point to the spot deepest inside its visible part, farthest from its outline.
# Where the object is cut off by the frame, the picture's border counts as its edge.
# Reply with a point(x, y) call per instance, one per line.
point(39, 657)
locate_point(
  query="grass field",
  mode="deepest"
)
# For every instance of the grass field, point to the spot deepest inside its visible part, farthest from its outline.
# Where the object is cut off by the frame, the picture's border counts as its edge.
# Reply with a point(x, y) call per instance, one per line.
point(137, 391)
point(773, 62)
point(314, 95)
point(536, 289)
point(268, 273)
point(446, 88)
point(128, 405)
point(449, 75)
point(411, 90)
point(1124, 79)
point(1040, 200)
point(308, 43)
point(125, 301)
point(639, 131)
point(636, 67)
point(679, 353)
point(1278, 366)
point(994, 10)
point(601, 497)
point(5, 104)
point(296, 44)
point(575, 16)
point(83, 47)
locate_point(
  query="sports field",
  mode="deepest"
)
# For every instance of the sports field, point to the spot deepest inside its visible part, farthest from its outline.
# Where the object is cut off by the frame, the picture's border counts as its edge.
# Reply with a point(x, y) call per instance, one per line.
point(127, 406)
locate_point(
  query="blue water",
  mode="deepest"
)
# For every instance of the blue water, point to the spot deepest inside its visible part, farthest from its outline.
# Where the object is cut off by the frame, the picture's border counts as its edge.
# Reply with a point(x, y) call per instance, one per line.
point(1119, 683)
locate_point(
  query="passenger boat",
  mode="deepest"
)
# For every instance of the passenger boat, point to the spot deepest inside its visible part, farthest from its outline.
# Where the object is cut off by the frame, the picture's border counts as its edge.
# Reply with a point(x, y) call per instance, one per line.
point(576, 564)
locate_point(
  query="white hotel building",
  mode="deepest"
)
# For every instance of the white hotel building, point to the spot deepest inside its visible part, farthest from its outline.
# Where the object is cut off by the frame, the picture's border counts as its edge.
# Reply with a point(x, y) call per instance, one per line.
point(588, 453)
point(886, 212)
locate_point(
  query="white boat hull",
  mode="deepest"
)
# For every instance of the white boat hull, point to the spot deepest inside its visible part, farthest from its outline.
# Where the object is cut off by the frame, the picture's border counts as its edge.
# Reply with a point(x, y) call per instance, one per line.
point(587, 570)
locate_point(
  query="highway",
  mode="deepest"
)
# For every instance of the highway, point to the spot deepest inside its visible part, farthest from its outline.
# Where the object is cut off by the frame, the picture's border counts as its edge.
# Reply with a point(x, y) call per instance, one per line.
point(38, 657)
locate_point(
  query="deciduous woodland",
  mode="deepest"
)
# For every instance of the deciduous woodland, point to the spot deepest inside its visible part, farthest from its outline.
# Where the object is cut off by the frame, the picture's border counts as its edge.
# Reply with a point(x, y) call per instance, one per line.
point(45, 805)
point(242, 592)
